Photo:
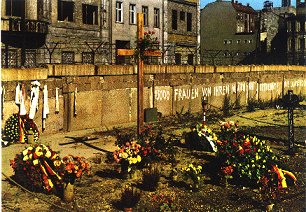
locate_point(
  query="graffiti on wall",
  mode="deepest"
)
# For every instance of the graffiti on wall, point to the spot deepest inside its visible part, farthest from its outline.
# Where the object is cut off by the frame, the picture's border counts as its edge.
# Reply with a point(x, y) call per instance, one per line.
point(179, 94)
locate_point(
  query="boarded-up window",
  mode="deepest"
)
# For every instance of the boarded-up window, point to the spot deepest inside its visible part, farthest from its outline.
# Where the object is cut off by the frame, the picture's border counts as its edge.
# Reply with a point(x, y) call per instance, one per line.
point(67, 57)
point(65, 11)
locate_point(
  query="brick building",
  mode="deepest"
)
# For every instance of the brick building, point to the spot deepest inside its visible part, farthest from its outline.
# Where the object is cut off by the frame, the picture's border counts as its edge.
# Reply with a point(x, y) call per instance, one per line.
point(229, 33)
point(37, 32)
point(54, 31)
point(296, 34)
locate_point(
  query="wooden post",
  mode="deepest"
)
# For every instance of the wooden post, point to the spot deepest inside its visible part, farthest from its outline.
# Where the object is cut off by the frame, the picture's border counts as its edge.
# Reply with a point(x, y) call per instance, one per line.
point(140, 76)
point(140, 71)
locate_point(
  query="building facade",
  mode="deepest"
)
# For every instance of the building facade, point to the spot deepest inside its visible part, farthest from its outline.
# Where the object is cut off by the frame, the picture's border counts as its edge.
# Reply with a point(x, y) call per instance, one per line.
point(36, 32)
point(273, 35)
point(296, 35)
point(229, 33)
point(182, 31)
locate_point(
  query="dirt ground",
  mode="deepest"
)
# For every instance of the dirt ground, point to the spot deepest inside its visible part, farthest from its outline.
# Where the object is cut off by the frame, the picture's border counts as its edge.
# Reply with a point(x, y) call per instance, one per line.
point(101, 190)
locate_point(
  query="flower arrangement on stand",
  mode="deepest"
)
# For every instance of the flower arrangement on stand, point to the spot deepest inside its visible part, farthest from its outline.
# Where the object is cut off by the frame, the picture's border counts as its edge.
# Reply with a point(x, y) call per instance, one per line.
point(17, 127)
point(193, 173)
point(38, 168)
point(130, 197)
point(149, 42)
point(150, 178)
point(128, 156)
point(75, 166)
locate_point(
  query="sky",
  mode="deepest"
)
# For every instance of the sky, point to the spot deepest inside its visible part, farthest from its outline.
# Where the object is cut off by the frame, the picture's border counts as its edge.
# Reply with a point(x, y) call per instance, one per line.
point(256, 4)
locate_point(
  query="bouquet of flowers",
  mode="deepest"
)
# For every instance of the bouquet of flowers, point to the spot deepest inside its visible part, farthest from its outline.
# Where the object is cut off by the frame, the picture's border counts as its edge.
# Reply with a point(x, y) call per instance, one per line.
point(147, 43)
point(164, 202)
point(38, 168)
point(128, 156)
point(244, 156)
point(194, 173)
point(206, 137)
point(75, 166)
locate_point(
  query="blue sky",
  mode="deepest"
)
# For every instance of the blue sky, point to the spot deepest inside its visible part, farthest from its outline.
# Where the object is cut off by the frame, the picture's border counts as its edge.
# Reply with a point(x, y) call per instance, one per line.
point(256, 4)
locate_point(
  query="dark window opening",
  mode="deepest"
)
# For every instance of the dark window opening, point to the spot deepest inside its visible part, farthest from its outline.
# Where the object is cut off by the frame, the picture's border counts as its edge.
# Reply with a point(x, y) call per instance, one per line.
point(65, 11)
point(145, 11)
point(15, 8)
point(178, 58)
point(174, 19)
point(190, 59)
point(189, 22)
point(90, 14)
point(182, 16)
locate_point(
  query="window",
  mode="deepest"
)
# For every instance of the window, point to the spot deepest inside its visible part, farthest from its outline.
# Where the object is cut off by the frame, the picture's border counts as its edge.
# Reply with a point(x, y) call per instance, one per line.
point(178, 59)
point(174, 19)
point(156, 18)
point(298, 26)
point(190, 59)
point(65, 10)
point(301, 44)
point(132, 14)
point(225, 41)
point(90, 14)
point(67, 57)
point(302, 26)
point(119, 12)
point(88, 57)
point(238, 41)
point(229, 42)
point(289, 26)
point(145, 11)
point(245, 41)
point(15, 8)
point(182, 16)
point(189, 22)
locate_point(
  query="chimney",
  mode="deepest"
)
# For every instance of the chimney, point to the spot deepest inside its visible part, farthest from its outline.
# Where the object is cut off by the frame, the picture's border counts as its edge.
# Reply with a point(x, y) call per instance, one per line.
point(248, 4)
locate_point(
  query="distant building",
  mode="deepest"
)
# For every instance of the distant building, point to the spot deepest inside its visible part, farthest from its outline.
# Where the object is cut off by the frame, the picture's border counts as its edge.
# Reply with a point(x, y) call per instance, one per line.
point(229, 33)
point(182, 31)
point(273, 35)
point(296, 32)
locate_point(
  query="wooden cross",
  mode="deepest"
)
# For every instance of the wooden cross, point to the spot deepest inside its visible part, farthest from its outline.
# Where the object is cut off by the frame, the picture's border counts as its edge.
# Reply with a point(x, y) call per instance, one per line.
point(140, 73)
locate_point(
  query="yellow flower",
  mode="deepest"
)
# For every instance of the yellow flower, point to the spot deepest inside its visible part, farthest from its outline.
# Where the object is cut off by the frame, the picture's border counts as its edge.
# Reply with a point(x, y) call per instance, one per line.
point(30, 156)
point(35, 162)
point(138, 158)
point(38, 151)
point(24, 152)
point(25, 158)
point(57, 163)
point(124, 155)
point(48, 154)
point(50, 183)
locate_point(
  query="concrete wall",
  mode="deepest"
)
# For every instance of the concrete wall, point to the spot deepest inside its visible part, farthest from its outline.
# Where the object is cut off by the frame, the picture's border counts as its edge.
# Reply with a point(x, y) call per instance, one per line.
point(107, 95)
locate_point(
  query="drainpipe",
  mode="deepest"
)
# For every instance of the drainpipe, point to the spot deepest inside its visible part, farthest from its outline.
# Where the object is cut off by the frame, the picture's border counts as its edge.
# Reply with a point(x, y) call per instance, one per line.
point(110, 30)
point(163, 32)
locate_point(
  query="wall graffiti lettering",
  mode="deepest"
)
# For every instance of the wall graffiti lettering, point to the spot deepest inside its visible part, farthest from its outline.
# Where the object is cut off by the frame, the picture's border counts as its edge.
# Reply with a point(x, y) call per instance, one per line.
point(180, 94)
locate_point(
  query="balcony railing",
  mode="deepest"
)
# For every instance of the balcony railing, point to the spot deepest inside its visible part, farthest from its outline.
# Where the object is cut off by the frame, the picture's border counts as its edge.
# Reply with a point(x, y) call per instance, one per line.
point(24, 25)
